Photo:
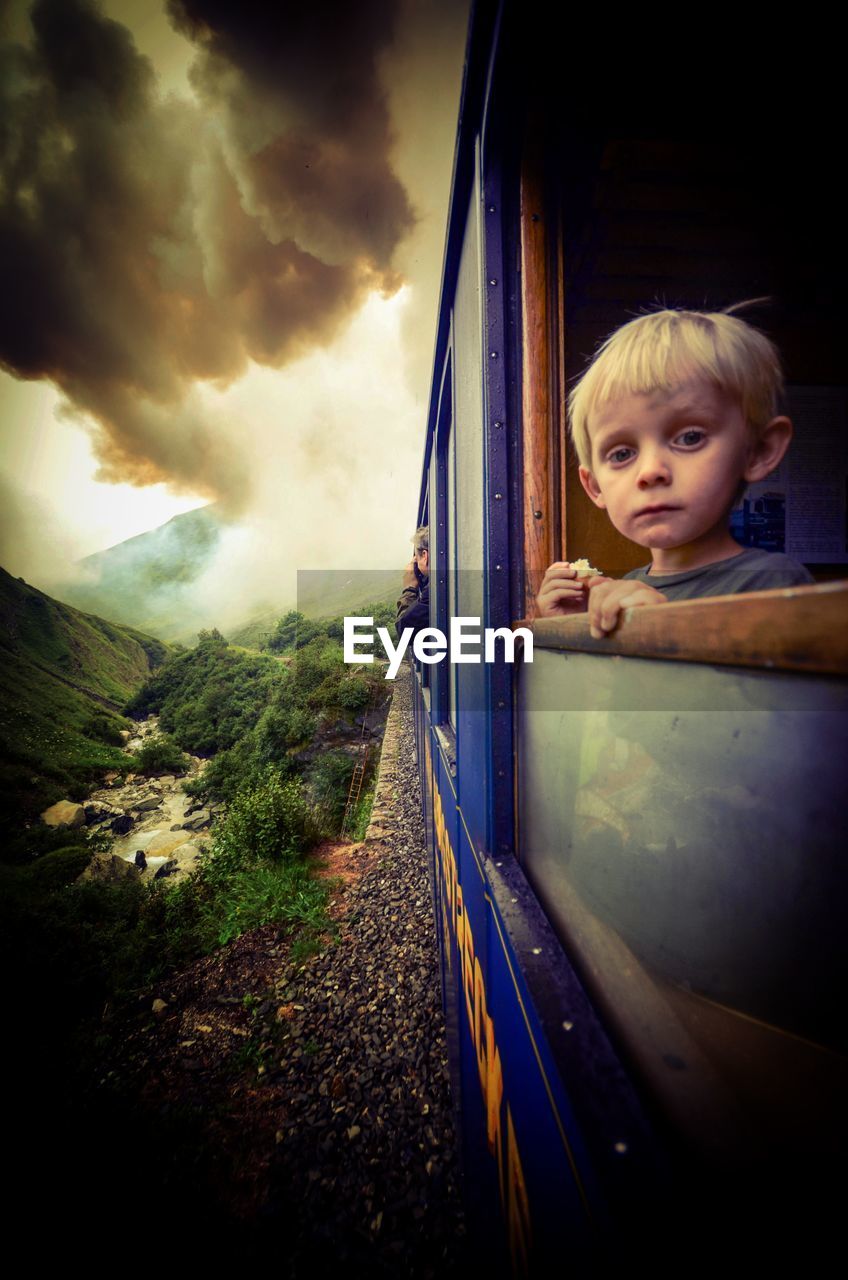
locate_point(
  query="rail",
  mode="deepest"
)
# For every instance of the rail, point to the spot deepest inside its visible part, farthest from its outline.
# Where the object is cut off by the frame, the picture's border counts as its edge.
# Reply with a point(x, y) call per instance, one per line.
point(790, 629)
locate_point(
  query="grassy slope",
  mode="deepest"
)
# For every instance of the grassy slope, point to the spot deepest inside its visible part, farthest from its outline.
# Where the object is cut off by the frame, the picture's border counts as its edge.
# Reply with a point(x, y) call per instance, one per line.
point(63, 675)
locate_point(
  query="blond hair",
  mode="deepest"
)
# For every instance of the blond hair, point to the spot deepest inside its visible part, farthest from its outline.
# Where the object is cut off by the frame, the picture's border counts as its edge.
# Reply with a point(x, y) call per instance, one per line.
point(421, 539)
point(659, 350)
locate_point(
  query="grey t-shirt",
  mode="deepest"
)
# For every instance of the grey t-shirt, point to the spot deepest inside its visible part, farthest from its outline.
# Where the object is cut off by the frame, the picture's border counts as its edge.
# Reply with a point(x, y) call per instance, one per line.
point(751, 570)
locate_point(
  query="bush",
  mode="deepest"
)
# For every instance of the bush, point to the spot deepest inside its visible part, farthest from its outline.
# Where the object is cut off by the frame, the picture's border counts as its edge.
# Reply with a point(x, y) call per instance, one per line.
point(329, 780)
point(161, 755)
point(354, 693)
point(294, 631)
point(225, 774)
point(104, 727)
point(60, 867)
point(282, 728)
point(267, 821)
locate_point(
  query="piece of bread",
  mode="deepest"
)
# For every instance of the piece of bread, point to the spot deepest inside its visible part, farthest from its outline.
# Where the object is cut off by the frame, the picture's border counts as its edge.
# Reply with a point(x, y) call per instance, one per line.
point(583, 568)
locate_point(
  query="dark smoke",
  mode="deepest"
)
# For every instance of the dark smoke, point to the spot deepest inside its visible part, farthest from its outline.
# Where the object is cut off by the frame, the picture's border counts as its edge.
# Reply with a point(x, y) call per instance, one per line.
point(147, 243)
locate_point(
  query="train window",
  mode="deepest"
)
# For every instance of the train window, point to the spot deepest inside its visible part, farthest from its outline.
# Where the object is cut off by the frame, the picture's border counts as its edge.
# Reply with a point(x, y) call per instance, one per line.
point(612, 225)
point(465, 450)
point(450, 547)
point(442, 538)
point(682, 825)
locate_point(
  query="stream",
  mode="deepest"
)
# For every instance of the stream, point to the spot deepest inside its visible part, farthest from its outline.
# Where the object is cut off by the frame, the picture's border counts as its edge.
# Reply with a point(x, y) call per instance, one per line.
point(168, 827)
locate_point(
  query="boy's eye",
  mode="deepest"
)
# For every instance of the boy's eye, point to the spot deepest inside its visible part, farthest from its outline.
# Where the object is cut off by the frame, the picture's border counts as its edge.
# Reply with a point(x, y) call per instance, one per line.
point(620, 455)
point(690, 437)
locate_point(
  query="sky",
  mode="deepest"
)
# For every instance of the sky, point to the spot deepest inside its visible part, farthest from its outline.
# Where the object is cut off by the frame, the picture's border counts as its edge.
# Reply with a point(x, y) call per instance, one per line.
point(221, 236)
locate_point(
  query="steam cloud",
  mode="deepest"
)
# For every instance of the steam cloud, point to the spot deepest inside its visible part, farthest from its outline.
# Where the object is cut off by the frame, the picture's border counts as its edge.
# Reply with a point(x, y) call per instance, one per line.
point(149, 243)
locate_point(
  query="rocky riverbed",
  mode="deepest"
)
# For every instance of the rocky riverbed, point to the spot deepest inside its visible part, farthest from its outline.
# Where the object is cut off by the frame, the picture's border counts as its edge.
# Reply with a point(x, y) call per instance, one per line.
point(152, 817)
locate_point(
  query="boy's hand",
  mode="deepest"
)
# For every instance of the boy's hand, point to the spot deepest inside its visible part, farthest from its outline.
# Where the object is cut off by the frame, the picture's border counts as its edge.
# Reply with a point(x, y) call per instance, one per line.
point(608, 598)
point(562, 592)
point(409, 577)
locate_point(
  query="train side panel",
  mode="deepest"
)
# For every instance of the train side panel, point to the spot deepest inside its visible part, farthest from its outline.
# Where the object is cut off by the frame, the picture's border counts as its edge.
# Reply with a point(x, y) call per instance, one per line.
point(522, 1147)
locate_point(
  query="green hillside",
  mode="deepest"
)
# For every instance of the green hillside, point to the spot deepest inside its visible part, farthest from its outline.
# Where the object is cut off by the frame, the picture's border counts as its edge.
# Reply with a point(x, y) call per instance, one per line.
point(64, 676)
point(141, 581)
point(147, 581)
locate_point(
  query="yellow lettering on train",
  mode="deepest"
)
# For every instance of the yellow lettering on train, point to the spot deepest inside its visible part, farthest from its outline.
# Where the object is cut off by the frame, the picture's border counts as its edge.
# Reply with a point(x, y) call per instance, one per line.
point(456, 925)
point(518, 1207)
point(480, 1016)
point(494, 1089)
point(468, 972)
point(459, 923)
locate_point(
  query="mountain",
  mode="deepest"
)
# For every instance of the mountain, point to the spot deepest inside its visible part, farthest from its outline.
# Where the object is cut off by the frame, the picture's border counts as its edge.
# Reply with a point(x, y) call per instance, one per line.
point(64, 677)
point(139, 582)
point(143, 583)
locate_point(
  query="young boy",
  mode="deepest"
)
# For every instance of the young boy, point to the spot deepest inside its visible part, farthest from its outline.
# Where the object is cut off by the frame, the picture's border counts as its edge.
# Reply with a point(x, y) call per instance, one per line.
point(677, 413)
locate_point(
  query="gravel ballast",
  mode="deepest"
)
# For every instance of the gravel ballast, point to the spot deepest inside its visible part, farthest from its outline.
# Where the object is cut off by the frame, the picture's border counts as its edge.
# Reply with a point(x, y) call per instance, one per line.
point(366, 1167)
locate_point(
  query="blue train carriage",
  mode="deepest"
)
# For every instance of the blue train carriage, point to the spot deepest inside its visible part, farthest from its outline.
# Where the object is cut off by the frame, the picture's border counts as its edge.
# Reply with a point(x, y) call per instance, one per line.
point(636, 842)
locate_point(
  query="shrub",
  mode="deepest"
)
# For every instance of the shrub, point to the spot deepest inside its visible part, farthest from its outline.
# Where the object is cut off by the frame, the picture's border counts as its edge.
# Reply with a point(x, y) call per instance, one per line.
point(329, 779)
point(161, 755)
point(281, 728)
point(354, 693)
point(225, 774)
point(60, 867)
point(104, 727)
point(294, 631)
point(267, 821)
point(209, 697)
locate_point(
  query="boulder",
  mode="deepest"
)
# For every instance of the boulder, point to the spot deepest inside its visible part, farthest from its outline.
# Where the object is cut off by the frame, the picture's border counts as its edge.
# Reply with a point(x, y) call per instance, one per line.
point(202, 818)
point(182, 862)
point(165, 842)
point(145, 806)
point(142, 840)
point(122, 824)
point(98, 811)
point(110, 868)
point(125, 734)
point(65, 813)
point(186, 856)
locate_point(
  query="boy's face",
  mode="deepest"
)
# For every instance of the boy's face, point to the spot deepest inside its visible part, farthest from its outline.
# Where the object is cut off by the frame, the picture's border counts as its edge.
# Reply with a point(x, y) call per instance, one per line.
point(666, 466)
point(422, 559)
